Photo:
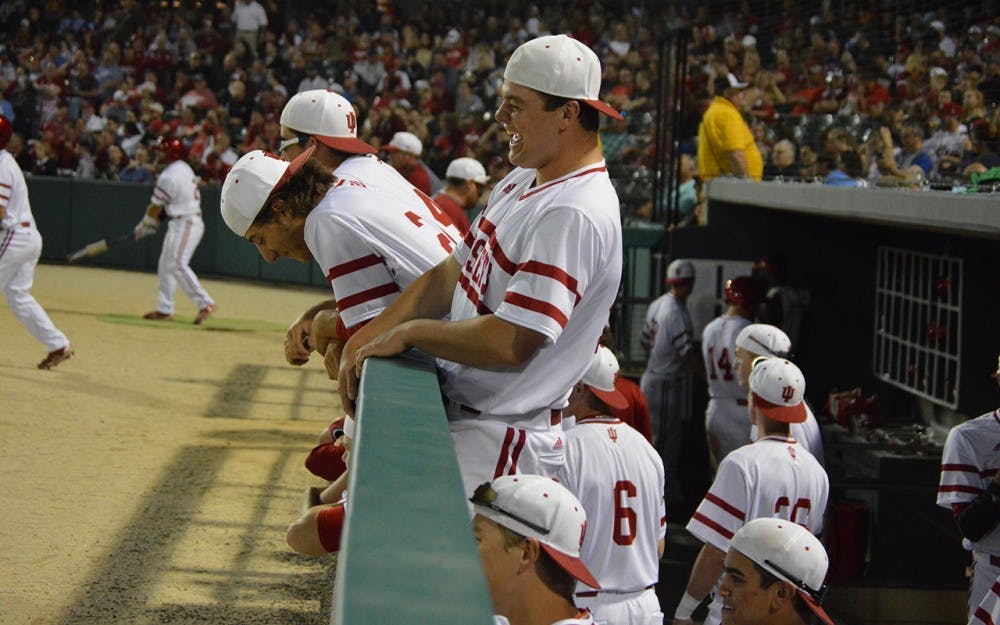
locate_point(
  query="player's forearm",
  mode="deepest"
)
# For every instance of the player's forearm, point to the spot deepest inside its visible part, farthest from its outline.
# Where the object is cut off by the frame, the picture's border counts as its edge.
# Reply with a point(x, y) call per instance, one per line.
point(982, 515)
point(329, 304)
point(485, 341)
point(706, 571)
point(154, 211)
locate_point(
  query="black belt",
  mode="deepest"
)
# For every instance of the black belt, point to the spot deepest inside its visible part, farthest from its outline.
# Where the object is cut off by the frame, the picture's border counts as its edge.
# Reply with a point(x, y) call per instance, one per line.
point(594, 593)
point(555, 416)
point(186, 216)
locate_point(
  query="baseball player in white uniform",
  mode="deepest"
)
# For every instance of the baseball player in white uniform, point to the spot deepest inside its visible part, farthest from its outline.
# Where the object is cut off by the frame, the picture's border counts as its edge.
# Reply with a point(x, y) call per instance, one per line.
point(775, 574)
point(761, 339)
point(530, 288)
point(528, 532)
point(325, 121)
point(176, 194)
point(20, 248)
point(772, 477)
point(673, 360)
point(988, 610)
point(726, 413)
point(970, 487)
point(618, 477)
point(370, 241)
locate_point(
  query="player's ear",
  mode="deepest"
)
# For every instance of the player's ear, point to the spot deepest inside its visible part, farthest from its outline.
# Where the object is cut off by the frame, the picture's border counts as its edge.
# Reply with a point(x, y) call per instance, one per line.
point(782, 594)
point(531, 551)
point(570, 111)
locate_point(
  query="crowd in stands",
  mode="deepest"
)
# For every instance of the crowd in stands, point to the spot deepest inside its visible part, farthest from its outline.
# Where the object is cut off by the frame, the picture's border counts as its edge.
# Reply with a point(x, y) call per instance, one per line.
point(874, 95)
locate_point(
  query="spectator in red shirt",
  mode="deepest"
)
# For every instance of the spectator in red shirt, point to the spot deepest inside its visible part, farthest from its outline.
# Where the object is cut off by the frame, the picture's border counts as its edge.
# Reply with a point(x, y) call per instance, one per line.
point(465, 182)
point(404, 154)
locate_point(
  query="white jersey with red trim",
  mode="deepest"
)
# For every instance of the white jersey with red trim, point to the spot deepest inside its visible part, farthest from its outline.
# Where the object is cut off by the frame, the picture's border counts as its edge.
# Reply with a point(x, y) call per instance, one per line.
point(618, 477)
point(13, 193)
point(373, 239)
point(547, 258)
point(649, 327)
point(773, 477)
point(672, 338)
point(177, 190)
point(970, 460)
point(718, 349)
point(988, 610)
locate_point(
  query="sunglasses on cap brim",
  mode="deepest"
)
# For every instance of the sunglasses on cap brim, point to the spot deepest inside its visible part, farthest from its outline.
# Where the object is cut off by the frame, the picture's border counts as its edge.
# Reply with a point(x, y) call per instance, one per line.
point(485, 496)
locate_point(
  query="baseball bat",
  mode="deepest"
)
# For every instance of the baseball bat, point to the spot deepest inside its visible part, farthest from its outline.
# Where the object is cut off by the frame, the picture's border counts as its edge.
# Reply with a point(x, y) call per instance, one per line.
point(101, 246)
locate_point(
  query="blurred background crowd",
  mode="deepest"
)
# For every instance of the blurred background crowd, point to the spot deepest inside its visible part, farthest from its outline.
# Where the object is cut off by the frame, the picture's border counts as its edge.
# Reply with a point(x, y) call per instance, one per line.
point(869, 89)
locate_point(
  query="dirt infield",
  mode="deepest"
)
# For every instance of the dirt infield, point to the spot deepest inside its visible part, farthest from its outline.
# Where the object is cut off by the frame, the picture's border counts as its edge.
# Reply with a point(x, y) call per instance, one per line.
point(150, 478)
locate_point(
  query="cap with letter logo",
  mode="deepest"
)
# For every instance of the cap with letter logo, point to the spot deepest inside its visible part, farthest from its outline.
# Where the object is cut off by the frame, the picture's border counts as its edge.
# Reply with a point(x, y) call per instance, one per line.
point(777, 388)
point(327, 116)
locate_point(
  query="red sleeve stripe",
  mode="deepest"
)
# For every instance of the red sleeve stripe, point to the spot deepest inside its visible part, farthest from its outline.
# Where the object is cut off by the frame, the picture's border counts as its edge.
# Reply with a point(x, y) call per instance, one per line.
point(351, 266)
point(366, 296)
point(704, 520)
point(538, 306)
point(5, 197)
point(988, 472)
point(965, 468)
point(501, 259)
point(5, 186)
point(728, 507)
point(663, 521)
point(162, 191)
point(469, 239)
point(983, 616)
point(487, 227)
point(551, 271)
point(959, 488)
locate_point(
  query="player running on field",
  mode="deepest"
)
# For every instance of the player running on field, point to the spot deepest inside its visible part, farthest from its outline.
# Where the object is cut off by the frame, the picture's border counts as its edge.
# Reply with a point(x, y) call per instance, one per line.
point(618, 477)
point(177, 198)
point(20, 247)
point(530, 288)
point(773, 477)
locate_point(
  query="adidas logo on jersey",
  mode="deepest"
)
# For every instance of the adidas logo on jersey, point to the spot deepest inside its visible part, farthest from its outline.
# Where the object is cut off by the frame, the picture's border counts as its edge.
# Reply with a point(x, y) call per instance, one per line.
point(558, 444)
point(508, 188)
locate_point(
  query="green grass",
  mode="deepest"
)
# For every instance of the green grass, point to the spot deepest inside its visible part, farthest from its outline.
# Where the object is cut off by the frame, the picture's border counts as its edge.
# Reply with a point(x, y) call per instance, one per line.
point(212, 324)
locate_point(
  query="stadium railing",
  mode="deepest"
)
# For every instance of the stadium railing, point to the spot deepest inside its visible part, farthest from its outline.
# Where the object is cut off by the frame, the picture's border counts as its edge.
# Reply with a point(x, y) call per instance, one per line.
point(408, 554)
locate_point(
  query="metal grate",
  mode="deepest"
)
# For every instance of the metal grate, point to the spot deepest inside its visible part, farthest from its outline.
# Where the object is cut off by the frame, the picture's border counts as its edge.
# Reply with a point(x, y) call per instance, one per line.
point(918, 329)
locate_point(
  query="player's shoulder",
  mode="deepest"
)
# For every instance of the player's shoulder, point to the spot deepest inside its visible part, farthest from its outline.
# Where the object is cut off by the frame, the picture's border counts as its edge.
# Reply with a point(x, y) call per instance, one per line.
point(989, 421)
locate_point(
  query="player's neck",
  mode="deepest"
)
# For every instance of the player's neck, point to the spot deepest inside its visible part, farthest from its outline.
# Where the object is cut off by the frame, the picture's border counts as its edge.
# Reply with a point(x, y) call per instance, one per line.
point(541, 607)
point(577, 152)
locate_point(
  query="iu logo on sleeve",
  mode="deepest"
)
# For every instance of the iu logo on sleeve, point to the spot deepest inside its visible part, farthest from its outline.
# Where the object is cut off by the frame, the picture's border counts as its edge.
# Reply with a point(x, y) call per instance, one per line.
point(788, 393)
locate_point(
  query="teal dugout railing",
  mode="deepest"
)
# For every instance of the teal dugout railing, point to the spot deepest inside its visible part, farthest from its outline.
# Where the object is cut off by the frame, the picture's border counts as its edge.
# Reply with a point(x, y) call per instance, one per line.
point(409, 555)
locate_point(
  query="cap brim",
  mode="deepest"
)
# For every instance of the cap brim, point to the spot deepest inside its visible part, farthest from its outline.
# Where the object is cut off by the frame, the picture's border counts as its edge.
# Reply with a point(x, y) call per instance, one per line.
point(785, 414)
point(815, 607)
point(614, 399)
point(351, 145)
point(293, 168)
point(573, 566)
point(605, 108)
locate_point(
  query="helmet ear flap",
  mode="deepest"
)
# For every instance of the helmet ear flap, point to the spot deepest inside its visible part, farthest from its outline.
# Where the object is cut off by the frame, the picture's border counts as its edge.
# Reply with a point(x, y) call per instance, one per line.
point(6, 131)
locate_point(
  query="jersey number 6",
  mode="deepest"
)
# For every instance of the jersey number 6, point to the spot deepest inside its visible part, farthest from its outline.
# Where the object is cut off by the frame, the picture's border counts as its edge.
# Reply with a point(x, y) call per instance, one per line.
point(625, 517)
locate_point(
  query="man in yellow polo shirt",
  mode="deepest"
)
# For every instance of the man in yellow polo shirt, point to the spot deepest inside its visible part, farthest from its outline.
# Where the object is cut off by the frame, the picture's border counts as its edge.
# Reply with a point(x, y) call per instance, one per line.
point(725, 143)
